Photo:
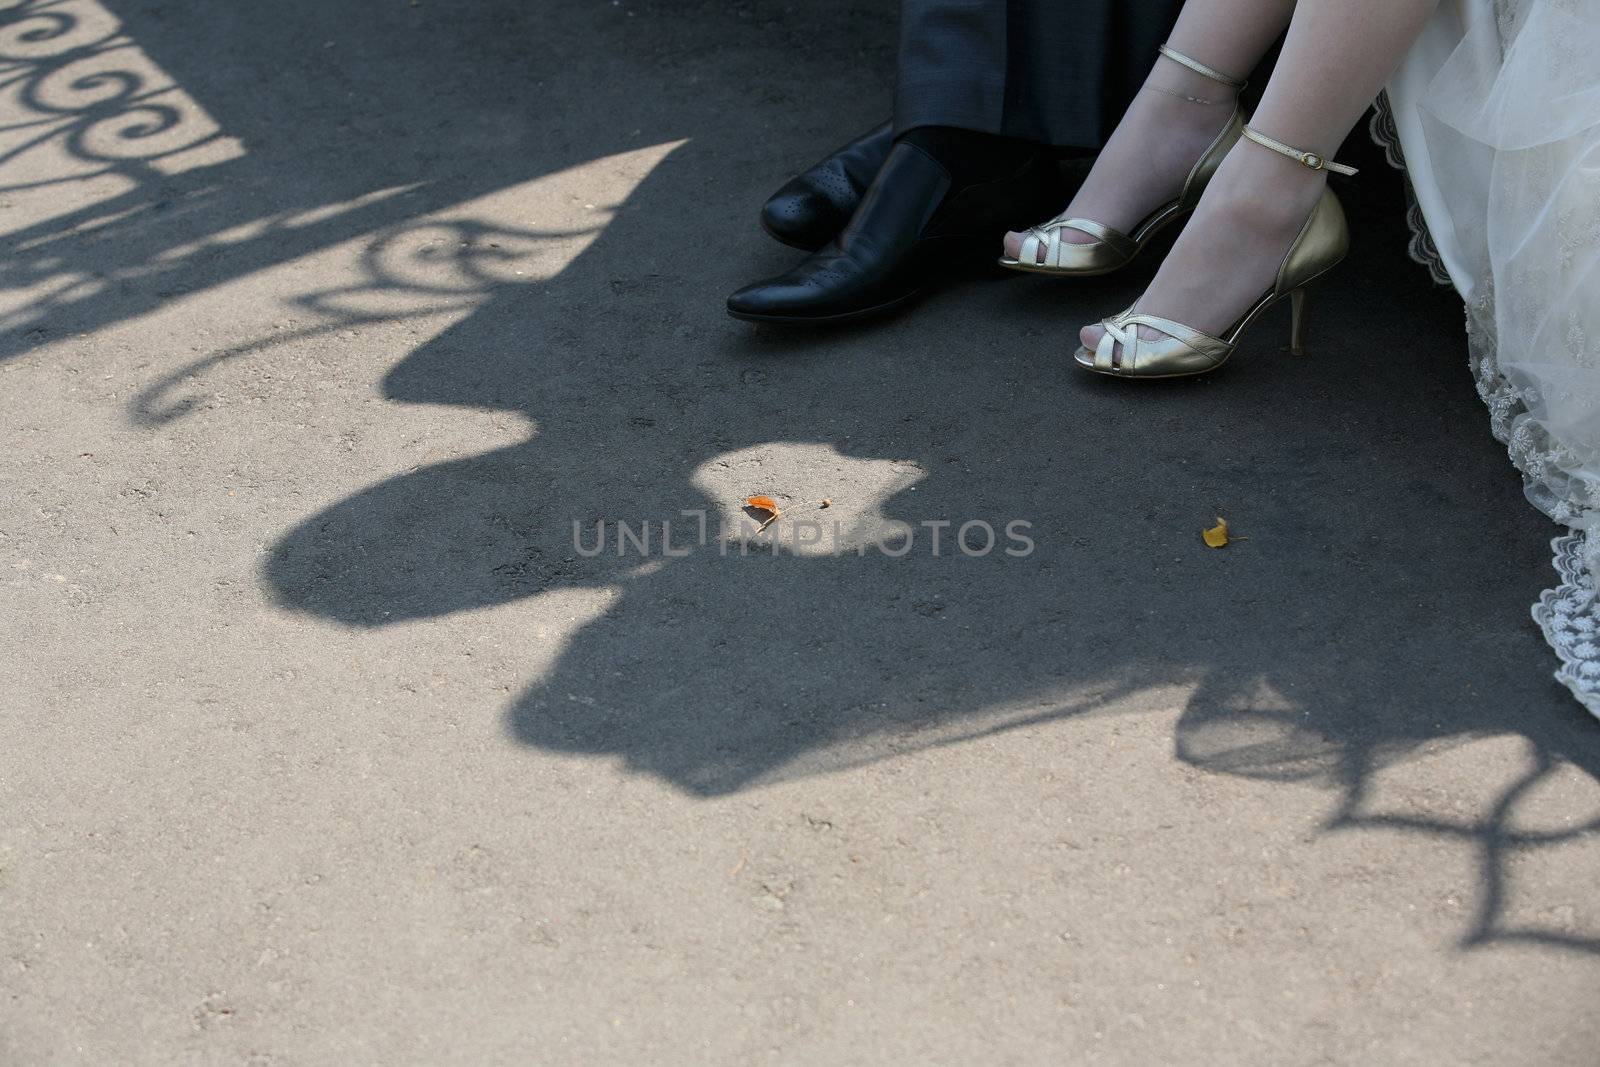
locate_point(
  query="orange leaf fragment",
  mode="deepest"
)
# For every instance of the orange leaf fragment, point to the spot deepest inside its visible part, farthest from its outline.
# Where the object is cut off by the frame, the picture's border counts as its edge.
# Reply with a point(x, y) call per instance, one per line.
point(766, 504)
point(1217, 536)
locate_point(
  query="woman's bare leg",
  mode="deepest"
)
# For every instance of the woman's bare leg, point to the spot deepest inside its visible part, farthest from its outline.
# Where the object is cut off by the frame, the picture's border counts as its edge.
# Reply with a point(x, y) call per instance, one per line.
point(1175, 118)
point(1335, 60)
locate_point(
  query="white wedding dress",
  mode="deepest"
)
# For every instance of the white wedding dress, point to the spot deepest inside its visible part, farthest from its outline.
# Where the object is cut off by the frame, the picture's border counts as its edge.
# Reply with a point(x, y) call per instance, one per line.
point(1496, 112)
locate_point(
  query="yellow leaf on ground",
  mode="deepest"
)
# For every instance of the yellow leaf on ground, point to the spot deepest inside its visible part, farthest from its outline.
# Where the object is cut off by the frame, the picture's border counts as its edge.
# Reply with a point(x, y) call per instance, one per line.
point(1217, 536)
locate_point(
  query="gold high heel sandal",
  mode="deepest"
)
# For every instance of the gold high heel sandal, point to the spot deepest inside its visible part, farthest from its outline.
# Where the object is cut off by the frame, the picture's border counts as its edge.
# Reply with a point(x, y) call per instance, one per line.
point(1112, 250)
point(1322, 242)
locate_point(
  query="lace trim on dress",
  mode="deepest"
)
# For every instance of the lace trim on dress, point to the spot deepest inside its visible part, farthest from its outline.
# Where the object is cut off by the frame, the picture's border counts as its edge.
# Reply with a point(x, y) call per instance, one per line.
point(1566, 615)
point(1569, 614)
point(1387, 137)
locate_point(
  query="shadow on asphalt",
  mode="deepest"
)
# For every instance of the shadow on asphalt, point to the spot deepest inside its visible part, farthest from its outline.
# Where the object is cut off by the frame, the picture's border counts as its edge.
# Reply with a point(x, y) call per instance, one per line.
point(1378, 611)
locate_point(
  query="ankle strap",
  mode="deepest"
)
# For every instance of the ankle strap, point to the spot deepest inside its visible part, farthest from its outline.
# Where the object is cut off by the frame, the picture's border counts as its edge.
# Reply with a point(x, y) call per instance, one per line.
point(1307, 159)
point(1200, 68)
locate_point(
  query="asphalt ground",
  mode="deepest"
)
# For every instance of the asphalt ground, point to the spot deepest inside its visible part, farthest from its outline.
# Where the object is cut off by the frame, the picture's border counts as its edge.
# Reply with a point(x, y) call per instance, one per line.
point(324, 325)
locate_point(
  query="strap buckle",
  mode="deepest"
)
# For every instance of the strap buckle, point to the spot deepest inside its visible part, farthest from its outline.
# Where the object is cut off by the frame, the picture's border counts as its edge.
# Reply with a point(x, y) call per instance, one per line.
point(1314, 161)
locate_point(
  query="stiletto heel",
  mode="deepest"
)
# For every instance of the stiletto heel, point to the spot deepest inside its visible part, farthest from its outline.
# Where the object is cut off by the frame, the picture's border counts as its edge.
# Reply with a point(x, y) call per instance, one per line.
point(1111, 249)
point(1322, 243)
point(1297, 325)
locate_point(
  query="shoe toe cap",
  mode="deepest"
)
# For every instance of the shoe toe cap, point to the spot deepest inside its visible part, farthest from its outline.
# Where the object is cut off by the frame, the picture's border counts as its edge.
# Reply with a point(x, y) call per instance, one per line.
point(787, 210)
point(801, 218)
point(797, 294)
point(762, 298)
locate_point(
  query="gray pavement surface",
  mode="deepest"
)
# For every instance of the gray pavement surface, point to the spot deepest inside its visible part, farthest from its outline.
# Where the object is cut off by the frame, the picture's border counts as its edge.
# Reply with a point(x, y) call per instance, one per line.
point(321, 322)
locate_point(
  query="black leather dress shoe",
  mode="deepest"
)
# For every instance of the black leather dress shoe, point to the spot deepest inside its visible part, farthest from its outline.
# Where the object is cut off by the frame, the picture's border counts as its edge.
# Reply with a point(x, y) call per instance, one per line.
point(912, 228)
point(810, 210)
